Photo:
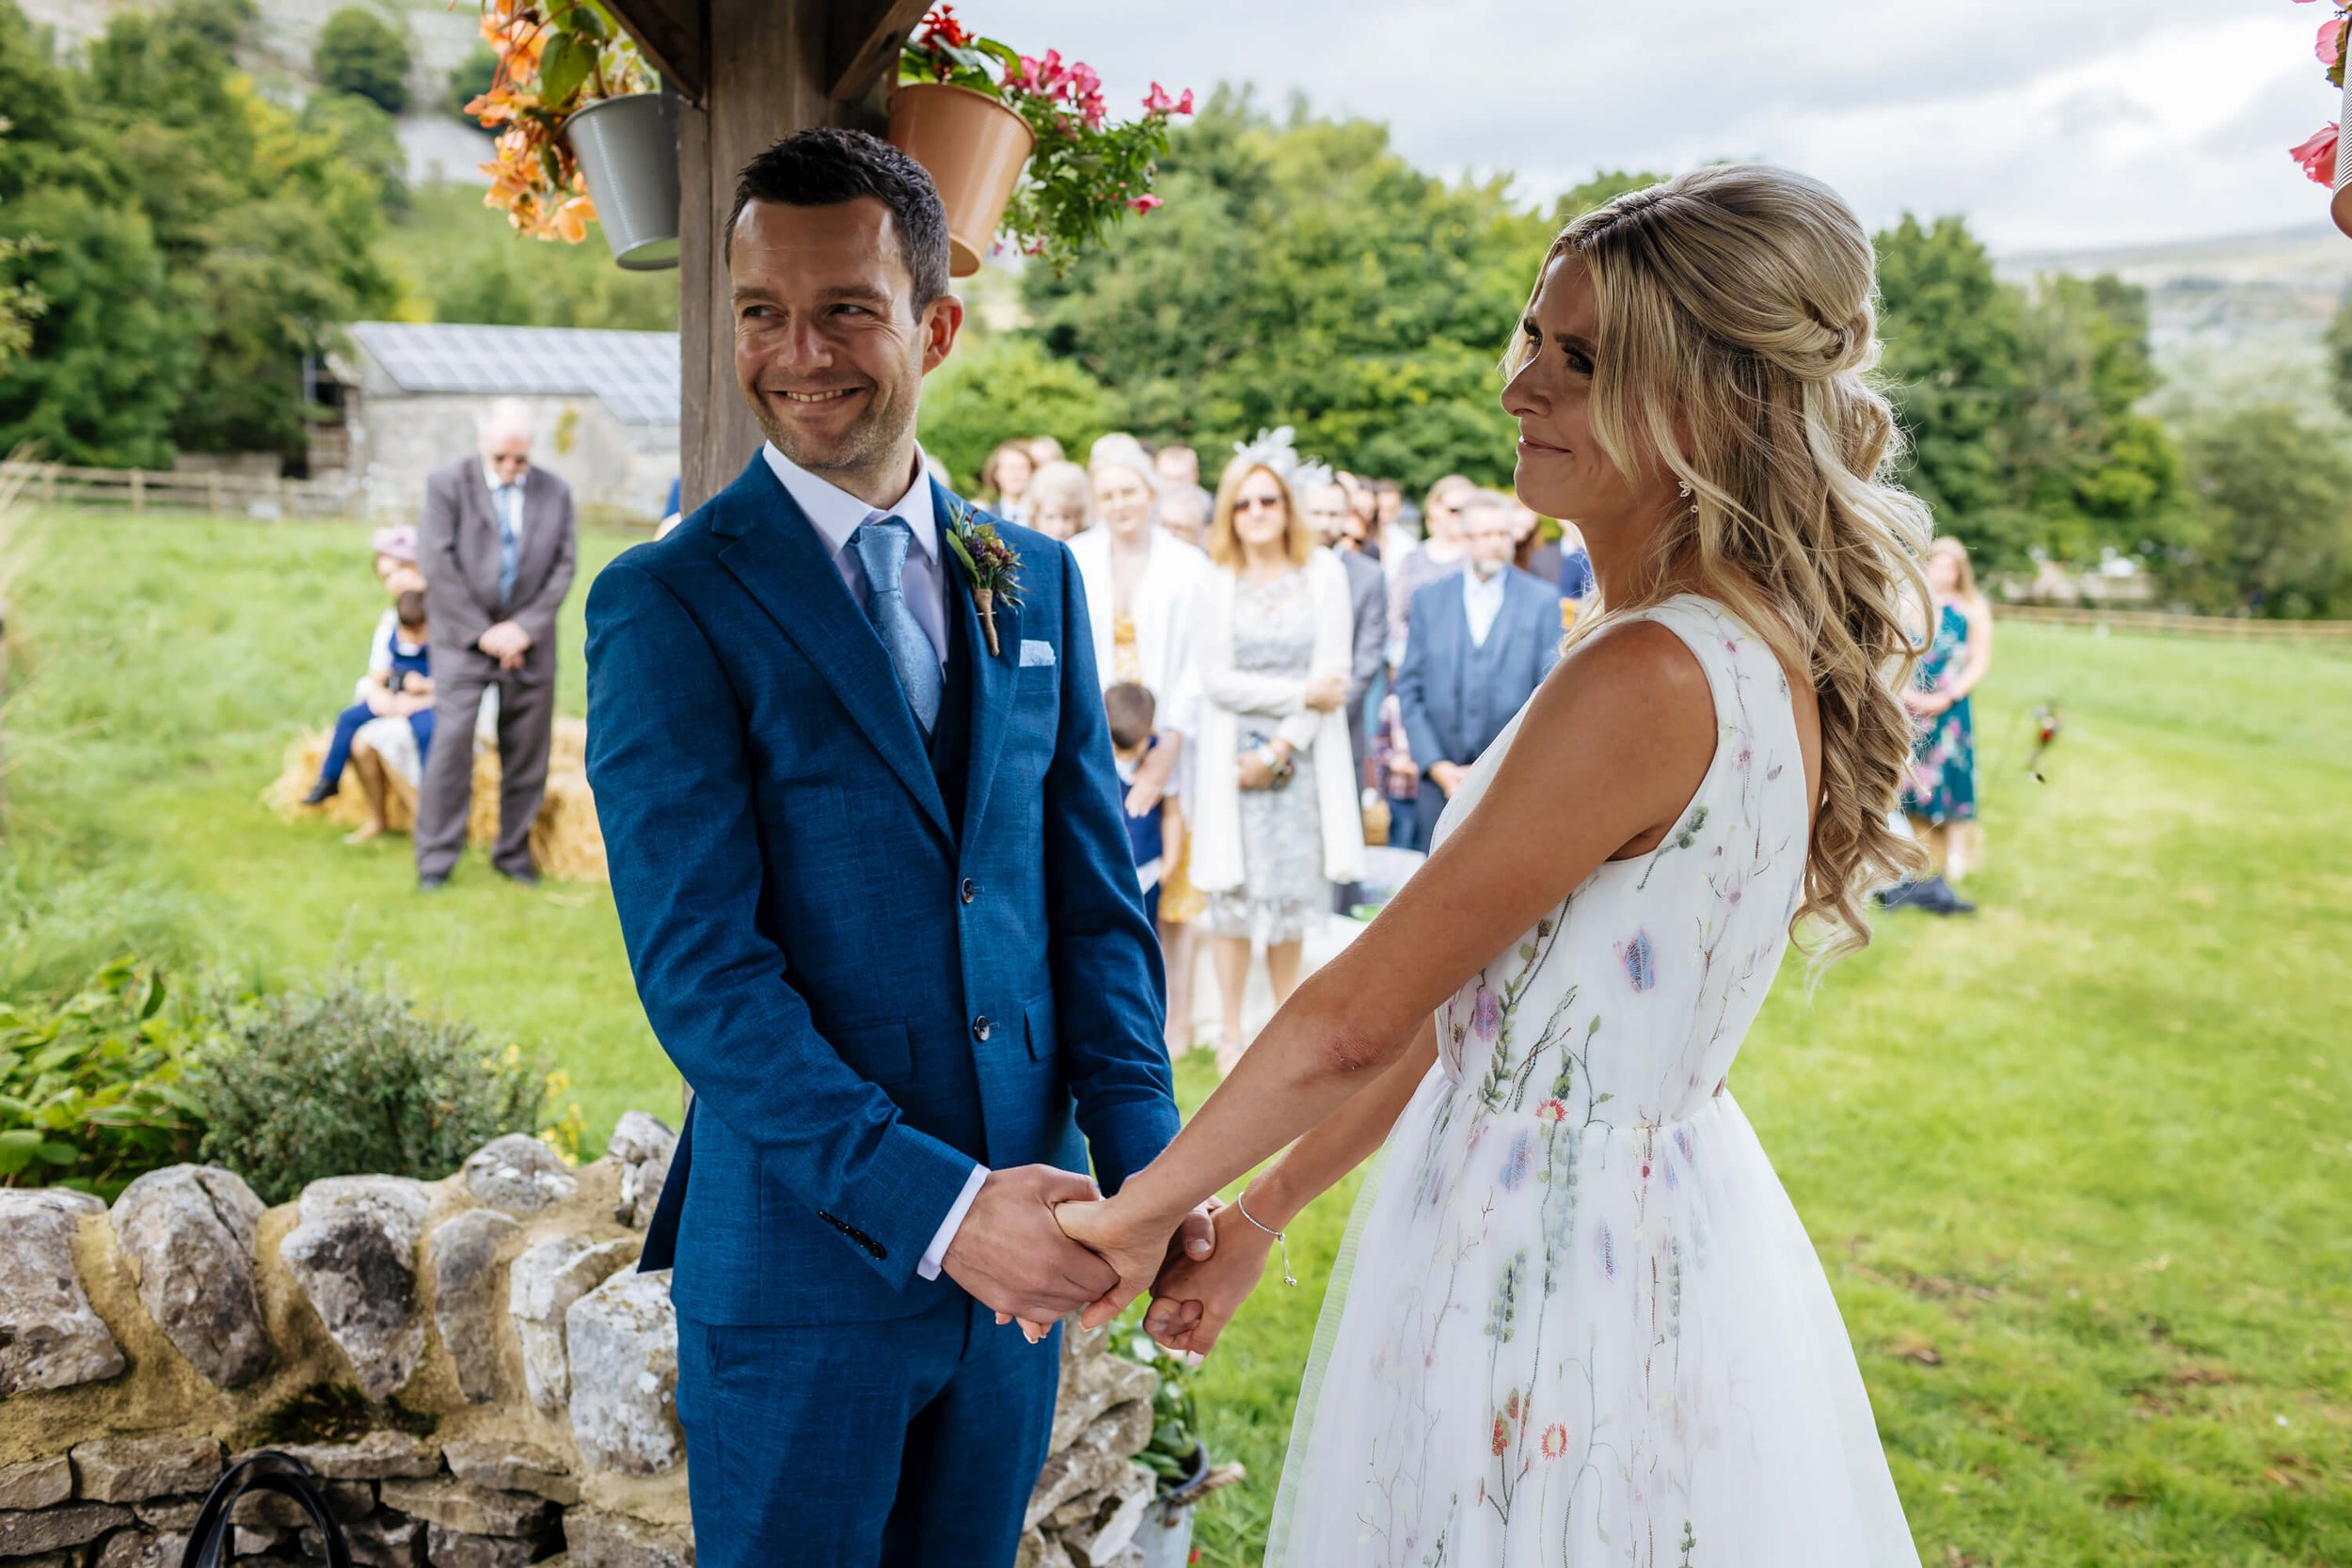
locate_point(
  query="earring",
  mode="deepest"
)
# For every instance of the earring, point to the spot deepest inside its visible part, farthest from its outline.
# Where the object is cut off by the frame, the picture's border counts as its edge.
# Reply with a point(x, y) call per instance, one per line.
point(1682, 487)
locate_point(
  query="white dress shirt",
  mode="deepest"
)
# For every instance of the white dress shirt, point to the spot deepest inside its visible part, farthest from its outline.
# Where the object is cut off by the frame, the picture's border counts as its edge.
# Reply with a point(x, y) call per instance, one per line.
point(1482, 600)
point(498, 504)
point(836, 514)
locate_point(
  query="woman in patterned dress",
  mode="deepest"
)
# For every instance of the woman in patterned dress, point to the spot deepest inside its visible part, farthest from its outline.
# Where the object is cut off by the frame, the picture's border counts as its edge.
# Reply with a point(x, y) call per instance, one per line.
point(1940, 796)
point(1586, 1326)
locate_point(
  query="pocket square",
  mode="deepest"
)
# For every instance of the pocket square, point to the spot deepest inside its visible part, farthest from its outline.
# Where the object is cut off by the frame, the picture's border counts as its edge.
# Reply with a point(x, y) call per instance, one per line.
point(1033, 652)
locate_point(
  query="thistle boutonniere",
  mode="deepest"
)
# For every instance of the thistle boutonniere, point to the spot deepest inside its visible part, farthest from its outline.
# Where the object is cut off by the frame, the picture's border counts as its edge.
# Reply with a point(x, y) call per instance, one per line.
point(988, 565)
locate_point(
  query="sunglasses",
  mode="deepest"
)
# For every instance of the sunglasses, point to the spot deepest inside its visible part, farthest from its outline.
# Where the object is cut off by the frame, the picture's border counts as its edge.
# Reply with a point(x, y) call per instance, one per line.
point(1256, 504)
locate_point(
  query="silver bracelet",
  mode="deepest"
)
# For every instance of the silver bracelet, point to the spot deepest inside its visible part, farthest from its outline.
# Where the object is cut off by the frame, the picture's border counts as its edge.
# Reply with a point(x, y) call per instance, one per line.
point(1280, 1239)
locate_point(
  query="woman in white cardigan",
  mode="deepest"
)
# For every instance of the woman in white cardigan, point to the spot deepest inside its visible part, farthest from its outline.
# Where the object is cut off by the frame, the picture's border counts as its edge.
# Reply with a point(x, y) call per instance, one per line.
point(1141, 587)
point(1275, 819)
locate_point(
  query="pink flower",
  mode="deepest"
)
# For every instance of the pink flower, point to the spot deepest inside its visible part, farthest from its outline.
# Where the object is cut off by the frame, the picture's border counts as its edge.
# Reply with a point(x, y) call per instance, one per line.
point(1485, 1014)
point(2330, 44)
point(1555, 1440)
point(2318, 155)
point(1144, 203)
point(1501, 1437)
point(1552, 1110)
point(1184, 104)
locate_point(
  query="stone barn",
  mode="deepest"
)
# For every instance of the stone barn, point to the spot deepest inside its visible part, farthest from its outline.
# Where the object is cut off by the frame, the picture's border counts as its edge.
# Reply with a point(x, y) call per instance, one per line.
point(607, 403)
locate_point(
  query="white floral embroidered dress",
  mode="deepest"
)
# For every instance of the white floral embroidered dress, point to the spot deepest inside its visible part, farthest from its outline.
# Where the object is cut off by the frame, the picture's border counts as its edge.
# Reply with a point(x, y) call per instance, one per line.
point(1584, 1325)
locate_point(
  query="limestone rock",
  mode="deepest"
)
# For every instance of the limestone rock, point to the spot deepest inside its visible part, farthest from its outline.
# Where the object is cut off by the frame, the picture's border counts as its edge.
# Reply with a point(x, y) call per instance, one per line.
point(464, 1256)
point(512, 1467)
point(1104, 1536)
point(596, 1538)
point(379, 1456)
point(253, 1540)
point(49, 1336)
point(170, 1513)
point(540, 1289)
point(642, 1146)
point(49, 1559)
point(187, 1233)
point(355, 1256)
point(347, 1500)
point(1124, 1429)
point(520, 1174)
point(448, 1548)
point(132, 1548)
point(378, 1543)
point(471, 1510)
point(36, 1482)
point(1094, 1384)
point(134, 1469)
point(49, 1529)
point(1070, 1473)
point(624, 1373)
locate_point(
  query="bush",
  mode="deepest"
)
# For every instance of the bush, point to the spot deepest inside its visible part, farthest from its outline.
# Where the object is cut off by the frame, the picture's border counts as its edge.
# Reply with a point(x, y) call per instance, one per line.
point(352, 1079)
point(359, 52)
point(94, 1091)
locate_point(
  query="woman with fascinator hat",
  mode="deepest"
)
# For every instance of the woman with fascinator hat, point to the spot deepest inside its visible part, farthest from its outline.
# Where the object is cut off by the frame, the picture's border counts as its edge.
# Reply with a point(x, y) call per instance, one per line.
point(1275, 823)
point(1586, 1326)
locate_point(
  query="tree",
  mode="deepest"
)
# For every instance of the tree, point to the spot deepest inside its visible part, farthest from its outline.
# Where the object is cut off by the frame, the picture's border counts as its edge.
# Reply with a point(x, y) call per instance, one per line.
point(359, 52)
point(2277, 532)
point(2339, 353)
point(1601, 189)
point(1005, 387)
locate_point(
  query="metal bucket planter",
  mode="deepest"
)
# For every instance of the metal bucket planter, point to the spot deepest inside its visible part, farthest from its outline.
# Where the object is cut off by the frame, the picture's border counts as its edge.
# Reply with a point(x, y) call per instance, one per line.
point(974, 148)
point(627, 148)
point(1164, 1540)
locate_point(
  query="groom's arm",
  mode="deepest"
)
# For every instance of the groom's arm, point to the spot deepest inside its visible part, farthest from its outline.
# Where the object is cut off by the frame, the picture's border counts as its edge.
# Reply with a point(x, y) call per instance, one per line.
point(672, 779)
point(1107, 981)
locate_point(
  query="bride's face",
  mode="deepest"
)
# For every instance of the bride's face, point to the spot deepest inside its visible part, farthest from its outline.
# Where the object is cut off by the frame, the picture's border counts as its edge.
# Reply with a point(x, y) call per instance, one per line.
point(1562, 470)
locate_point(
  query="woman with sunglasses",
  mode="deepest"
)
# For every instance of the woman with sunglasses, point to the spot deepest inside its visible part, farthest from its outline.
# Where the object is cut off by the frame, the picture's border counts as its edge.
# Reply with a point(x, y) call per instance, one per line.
point(1277, 821)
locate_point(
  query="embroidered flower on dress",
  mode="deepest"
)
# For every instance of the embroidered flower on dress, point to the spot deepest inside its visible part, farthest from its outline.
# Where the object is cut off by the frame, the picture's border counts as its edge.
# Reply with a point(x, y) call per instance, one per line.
point(1605, 1251)
point(1487, 1014)
point(1502, 1437)
point(1553, 1109)
point(1555, 1440)
point(1515, 1163)
point(1639, 960)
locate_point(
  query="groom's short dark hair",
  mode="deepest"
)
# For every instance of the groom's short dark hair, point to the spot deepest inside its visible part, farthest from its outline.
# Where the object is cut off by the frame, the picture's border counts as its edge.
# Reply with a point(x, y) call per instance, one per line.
point(826, 166)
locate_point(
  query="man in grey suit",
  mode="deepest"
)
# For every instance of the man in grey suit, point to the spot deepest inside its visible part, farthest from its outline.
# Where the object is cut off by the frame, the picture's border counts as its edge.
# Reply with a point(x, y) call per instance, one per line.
point(495, 545)
point(1481, 640)
point(1325, 501)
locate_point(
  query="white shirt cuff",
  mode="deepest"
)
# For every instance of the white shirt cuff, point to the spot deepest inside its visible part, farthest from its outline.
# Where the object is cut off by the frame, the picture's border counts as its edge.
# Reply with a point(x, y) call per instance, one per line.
point(936, 1254)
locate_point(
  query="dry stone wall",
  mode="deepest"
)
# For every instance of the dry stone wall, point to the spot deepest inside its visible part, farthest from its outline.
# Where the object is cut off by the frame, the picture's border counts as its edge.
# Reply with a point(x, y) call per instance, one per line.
point(474, 1365)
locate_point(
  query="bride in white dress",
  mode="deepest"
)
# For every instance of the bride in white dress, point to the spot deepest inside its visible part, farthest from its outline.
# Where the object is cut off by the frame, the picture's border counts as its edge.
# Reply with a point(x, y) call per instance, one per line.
point(1584, 1325)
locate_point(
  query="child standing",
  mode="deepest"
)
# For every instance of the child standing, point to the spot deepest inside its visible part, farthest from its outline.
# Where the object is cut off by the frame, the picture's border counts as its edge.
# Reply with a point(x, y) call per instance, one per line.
point(1157, 836)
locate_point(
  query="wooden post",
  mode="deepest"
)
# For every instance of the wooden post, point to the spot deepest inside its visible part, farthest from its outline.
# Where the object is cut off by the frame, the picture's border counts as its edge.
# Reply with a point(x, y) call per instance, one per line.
point(138, 490)
point(211, 491)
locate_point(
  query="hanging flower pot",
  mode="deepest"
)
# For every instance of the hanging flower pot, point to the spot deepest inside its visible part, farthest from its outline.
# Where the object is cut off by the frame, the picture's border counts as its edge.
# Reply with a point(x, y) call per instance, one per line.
point(628, 152)
point(2339, 205)
point(974, 148)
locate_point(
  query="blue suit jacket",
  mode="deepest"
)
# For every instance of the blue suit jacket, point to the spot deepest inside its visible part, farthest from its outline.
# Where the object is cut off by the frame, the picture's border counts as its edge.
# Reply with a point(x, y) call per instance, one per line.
point(1528, 623)
point(865, 997)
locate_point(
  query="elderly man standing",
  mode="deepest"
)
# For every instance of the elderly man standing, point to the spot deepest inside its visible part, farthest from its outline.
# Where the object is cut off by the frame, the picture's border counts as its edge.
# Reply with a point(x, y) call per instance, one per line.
point(496, 543)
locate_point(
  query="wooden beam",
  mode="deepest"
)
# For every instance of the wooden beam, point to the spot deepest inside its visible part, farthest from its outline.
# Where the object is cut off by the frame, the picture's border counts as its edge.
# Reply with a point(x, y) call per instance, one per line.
point(863, 43)
point(673, 34)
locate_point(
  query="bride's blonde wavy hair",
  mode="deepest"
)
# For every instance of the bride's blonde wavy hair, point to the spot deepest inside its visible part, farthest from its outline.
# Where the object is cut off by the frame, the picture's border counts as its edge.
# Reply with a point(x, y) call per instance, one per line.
point(1736, 331)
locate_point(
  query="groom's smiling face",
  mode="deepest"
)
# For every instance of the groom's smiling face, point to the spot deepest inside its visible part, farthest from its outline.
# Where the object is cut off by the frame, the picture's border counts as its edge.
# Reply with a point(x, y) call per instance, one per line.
point(830, 346)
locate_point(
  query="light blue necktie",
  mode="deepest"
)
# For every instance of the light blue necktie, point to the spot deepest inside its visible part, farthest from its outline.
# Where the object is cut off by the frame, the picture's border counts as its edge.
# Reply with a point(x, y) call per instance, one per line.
point(880, 542)
point(510, 542)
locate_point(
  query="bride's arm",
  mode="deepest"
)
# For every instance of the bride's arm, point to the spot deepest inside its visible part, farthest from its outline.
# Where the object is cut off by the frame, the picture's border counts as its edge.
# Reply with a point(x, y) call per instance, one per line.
point(1613, 746)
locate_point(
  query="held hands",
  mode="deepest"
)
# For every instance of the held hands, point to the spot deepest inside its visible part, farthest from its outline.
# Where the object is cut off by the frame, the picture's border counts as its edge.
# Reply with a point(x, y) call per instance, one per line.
point(1194, 1299)
point(506, 643)
point(1010, 1255)
point(1137, 1247)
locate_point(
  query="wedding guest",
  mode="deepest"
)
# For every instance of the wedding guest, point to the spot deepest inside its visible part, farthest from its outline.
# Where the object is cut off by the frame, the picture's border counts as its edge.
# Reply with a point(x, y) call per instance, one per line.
point(1327, 512)
point(1531, 551)
point(395, 551)
point(1576, 565)
point(1176, 466)
point(1185, 514)
point(396, 696)
point(1277, 821)
point(1143, 588)
point(1363, 501)
point(1044, 449)
point(1062, 500)
point(1940, 793)
point(495, 542)
point(1439, 555)
point(1399, 531)
point(1483, 641)
point(1005, 481)
point(1153, 834)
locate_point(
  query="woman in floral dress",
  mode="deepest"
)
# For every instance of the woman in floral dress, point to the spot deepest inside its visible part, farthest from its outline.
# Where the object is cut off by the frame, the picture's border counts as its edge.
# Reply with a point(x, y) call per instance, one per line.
point(1584, 1325)
point(1940, 795)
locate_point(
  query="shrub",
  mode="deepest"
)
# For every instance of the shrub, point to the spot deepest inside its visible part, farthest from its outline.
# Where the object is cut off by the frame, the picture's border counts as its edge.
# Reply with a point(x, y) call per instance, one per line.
point(359, 52)
point(94, 1091)
point(350, 1079)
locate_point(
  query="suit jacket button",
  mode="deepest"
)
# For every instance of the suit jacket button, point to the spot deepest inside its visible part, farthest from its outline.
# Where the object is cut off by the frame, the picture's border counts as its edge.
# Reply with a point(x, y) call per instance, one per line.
point(979, 1028)
point(970, 890)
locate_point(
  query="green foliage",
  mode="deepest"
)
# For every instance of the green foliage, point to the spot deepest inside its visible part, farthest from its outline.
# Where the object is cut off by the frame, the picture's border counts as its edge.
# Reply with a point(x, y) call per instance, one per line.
point(93, 1090)
point(1005, 387)
point(352, 1078)
point(360, 52)
point(1305, 274)
point(468, 79)
point(2276, 537)
point(2339, 353)
point(457, 260)
point(1175, 1447)
point(1601, 190)
point(366, 139)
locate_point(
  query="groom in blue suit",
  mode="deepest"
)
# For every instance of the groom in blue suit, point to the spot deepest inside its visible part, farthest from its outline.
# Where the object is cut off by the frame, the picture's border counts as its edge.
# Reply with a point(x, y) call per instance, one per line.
point(882, 913)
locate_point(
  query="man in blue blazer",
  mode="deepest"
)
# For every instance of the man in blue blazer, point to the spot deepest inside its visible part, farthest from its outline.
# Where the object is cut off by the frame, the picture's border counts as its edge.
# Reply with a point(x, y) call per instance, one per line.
point(882, 913)
point(1482, 640)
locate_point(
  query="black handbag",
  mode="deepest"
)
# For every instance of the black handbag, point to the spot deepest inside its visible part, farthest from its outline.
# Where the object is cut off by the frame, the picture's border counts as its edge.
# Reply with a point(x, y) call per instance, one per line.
point(267, 1471)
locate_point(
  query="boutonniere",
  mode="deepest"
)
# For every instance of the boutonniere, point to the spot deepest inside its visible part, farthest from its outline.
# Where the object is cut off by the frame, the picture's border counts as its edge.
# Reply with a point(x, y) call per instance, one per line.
point(988, 565)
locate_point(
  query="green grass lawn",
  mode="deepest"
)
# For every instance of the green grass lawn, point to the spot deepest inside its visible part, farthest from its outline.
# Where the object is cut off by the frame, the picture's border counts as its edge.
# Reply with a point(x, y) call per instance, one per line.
point(2080, 1167)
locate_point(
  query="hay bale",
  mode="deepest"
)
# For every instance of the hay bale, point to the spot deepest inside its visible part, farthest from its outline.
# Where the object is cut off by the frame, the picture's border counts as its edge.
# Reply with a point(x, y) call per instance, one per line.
point(565, 839)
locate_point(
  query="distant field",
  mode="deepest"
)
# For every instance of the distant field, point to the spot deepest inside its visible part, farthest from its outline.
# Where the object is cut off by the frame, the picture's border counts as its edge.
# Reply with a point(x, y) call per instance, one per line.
point(2080, 1167)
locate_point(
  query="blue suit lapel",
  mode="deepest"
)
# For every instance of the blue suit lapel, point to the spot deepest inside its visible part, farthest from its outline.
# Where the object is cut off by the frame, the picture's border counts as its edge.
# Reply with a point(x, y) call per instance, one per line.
point(777, 555)
point(994, 679)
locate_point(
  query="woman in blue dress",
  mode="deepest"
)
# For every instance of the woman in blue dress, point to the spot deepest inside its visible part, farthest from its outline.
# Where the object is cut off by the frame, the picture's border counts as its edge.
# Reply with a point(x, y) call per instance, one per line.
point(1941, 795)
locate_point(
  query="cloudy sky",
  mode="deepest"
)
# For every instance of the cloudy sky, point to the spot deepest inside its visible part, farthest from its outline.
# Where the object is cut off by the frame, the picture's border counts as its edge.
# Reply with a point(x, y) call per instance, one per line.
point(2053, 125)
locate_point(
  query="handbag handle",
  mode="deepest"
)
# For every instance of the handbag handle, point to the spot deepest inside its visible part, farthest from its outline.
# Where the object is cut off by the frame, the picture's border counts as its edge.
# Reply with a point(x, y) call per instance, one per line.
point(208, 1538)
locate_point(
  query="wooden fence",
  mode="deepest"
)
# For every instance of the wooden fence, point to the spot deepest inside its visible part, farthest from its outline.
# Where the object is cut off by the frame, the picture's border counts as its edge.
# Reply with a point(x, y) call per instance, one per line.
point(2242, 629)
point(139, 490)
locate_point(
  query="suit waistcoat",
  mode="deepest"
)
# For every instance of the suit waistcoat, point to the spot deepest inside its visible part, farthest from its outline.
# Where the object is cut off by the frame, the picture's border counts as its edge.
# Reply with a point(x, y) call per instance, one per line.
point(1480, 699)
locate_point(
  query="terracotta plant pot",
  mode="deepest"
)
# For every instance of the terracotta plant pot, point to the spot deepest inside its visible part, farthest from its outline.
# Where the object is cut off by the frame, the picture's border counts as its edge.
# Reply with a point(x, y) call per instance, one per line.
point(2340, 208)
point(973, 148)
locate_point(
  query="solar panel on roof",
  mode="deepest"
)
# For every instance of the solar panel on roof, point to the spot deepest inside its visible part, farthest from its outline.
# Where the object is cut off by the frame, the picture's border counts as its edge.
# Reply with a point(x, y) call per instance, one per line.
point(634, 374)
